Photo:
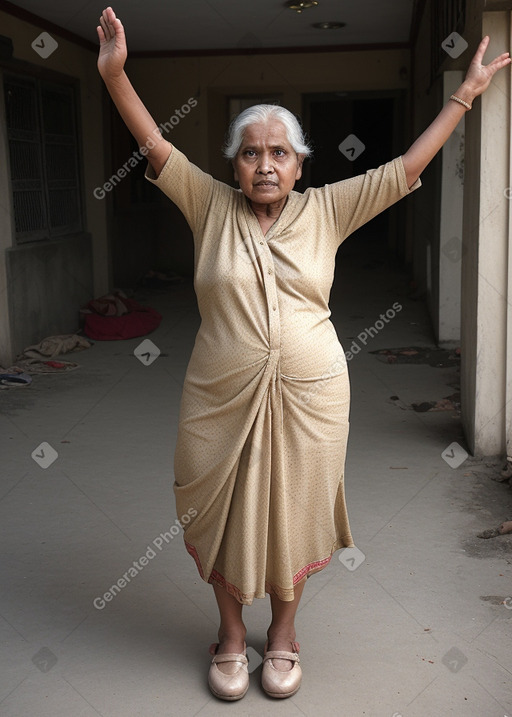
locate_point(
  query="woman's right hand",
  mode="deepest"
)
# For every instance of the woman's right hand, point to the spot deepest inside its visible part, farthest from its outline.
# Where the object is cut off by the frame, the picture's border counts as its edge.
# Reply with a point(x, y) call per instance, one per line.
point(113, 50)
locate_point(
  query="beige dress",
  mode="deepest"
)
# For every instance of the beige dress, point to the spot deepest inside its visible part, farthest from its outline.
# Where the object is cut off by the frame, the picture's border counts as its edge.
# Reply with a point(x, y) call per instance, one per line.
point(264, 414)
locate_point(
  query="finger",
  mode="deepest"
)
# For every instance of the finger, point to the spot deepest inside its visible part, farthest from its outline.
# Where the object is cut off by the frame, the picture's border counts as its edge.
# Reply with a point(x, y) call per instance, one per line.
point(110, 27)
point(111, 16)
point(101, 34)
point(113, 21)
point(501, 57)
point(103, 26)
point(499, 62)
point(106, 29)
point(482, 47)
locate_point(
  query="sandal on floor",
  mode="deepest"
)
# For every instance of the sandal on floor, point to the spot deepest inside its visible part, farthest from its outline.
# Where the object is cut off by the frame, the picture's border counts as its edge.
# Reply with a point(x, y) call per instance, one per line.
point(281, 683)
point(228, 686)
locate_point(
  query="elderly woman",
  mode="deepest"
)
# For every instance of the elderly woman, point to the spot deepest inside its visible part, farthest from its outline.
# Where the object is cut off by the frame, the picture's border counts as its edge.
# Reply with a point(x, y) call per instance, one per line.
point(264, 414)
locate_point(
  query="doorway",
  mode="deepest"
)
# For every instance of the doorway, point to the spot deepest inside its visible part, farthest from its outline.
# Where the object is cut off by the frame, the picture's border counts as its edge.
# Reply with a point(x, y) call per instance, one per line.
point(376, 120)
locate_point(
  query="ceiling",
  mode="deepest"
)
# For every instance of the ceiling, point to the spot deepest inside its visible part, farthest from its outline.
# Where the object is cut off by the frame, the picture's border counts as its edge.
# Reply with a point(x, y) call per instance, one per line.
point(188, 25)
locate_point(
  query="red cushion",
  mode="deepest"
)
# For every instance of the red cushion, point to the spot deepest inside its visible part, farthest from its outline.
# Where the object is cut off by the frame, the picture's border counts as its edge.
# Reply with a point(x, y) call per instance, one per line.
point(140, 321)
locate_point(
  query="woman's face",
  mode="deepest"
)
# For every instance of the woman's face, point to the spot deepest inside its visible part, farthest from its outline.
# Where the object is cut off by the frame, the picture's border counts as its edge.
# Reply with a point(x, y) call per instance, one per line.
point(266, 165)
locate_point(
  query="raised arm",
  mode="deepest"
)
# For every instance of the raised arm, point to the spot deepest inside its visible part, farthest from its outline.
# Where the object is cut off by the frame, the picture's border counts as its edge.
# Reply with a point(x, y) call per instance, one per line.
point(477, 80)
point(111, 59)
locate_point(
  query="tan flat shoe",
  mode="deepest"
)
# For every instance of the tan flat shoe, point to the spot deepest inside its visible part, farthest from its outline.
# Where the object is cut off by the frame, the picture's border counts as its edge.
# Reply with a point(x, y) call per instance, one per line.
point(281, 683)
point(233, 685)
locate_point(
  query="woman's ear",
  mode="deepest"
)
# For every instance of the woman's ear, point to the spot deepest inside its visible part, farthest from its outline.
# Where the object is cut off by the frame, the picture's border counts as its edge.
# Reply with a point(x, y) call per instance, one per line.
point(300, 161)
point(235, 173)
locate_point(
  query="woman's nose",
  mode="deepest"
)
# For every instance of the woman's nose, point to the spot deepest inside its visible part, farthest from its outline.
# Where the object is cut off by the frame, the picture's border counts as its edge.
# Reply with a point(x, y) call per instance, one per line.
point(265, 165)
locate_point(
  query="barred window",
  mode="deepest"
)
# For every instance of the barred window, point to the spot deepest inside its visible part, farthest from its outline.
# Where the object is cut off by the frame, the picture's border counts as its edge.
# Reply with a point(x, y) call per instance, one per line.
point(43, 149)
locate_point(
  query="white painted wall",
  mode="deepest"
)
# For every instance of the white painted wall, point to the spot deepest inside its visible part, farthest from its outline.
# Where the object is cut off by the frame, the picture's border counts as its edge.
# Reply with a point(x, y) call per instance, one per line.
point(508, 356)
point(485, 264)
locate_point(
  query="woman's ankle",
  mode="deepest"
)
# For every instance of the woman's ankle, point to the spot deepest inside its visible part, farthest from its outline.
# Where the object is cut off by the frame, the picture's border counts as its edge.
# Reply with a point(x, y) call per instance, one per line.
point(232, 635)
point(281, 634)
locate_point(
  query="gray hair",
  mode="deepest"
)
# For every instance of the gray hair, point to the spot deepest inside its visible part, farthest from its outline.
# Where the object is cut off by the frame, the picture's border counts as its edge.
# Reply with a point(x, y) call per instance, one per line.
point(263, 113)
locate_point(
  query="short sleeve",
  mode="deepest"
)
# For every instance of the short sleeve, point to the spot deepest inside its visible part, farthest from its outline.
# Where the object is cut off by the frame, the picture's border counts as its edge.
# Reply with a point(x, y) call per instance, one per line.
point(357, 200)
point(186, 185)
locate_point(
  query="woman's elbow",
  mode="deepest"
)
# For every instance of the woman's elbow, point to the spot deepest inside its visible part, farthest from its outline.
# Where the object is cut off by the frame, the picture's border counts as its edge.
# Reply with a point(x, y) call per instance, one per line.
point(412, 171)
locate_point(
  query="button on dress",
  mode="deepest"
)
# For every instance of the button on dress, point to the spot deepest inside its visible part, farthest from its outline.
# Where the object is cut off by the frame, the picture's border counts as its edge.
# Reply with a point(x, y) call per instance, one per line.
point(264, 414)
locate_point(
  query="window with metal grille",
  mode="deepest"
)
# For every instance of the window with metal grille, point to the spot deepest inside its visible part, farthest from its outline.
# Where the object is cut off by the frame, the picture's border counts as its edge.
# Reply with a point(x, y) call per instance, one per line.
point(43, 148)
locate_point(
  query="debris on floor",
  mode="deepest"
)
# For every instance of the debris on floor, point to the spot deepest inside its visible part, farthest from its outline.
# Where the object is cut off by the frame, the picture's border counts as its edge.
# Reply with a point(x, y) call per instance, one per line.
point(14, 377)
point(396, 400)
point(504, 529)
point(448, 403)
point(438, 358)
point(33, 366)
point(40, 358)
point(505, 473)
point(53, 346)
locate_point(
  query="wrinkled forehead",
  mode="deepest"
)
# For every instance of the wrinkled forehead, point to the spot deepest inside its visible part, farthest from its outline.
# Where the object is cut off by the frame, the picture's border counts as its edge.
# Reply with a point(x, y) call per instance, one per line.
point(271, 134)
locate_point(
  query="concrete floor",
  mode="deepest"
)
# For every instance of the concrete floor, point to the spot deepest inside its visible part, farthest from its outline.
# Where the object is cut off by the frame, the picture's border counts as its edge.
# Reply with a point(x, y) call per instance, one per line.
point(418, 629)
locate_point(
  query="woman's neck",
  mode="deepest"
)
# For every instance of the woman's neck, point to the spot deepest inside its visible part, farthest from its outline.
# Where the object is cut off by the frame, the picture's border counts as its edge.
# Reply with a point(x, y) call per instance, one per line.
point(270, 211)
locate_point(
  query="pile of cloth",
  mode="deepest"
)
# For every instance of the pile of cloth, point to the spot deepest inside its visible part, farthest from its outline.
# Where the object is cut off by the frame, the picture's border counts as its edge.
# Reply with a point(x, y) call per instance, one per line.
point(114, 317)
point(40, 358)
point(109, 318)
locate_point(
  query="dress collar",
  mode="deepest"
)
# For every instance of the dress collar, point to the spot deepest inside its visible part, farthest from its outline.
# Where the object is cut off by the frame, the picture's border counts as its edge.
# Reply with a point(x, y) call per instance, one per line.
point(280, 223)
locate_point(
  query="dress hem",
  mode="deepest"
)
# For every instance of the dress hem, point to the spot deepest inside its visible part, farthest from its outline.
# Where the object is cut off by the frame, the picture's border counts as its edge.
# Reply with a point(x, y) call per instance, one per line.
point(285, 594)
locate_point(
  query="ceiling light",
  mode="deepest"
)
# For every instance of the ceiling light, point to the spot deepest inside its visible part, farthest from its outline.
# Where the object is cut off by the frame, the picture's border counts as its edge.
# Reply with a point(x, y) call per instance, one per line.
point(300, 5)
point(328, 25)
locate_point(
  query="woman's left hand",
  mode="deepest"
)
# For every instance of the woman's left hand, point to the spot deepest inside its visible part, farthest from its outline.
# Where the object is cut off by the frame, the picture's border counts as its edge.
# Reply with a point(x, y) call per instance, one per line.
point(478, 79)
point(478, 76)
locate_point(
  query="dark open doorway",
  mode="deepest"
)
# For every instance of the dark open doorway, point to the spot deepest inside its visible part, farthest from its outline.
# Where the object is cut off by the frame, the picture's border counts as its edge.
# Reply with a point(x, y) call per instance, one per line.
point(376, 119)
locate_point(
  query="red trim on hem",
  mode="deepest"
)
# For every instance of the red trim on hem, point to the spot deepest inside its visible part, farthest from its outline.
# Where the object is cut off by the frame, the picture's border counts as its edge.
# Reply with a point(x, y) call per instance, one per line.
point(193, 553)
point(312, 567)
point(216, 577)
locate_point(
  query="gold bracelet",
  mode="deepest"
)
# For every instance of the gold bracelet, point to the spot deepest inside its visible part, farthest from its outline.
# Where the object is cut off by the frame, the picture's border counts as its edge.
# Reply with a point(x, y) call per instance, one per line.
point(462, 102)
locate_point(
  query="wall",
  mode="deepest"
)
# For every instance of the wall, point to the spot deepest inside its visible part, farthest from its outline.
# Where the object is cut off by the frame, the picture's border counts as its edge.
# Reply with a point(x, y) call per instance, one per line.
point(50, 280)
point(93, 272)
point(486, 251)
point(449, 255)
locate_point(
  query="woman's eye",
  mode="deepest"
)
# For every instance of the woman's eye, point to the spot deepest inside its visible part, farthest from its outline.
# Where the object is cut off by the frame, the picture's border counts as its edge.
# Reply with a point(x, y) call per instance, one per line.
point(280, 152)
point(249, 153)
